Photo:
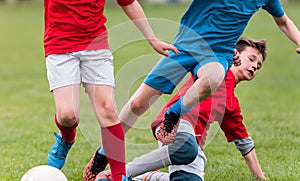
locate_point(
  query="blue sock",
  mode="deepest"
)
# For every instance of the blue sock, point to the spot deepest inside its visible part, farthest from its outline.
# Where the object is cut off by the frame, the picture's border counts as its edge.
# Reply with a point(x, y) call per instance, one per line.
point(101, 151)
point(178, 108)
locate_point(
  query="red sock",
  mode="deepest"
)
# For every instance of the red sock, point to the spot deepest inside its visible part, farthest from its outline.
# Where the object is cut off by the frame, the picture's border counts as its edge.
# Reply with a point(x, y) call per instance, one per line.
point(68, 133)
point(114, 147)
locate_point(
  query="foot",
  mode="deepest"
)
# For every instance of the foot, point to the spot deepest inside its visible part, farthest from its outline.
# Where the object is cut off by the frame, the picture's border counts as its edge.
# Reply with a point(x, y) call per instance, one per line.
point(146, 176)
point(126, 179)
point(168, 129)
point(58, 153)
point(106, 176)
point(96, 165)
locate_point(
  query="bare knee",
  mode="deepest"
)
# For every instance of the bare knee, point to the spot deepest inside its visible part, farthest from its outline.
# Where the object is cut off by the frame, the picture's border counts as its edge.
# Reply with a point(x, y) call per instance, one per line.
point(66, 117)
point(209, 85)
point(142, 99)
point(107, 114)
point(138, 106)
point(210, 77)
point(108, 111)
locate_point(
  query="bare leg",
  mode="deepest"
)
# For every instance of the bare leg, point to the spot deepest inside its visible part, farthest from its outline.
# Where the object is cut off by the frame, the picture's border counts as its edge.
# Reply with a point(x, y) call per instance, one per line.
point(103, 101)
point(137, 105)
point(67, 103)
point(210, 76)
point(142, 99)
point(66, 118)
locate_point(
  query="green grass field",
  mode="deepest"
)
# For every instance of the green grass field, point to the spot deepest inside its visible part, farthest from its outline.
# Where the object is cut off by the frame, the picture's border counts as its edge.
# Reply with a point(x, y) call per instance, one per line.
point(270, 103)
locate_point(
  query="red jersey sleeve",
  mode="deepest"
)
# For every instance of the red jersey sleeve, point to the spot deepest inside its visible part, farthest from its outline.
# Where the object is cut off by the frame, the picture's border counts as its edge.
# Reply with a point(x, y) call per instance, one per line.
point(124, 2)
point(232, 124)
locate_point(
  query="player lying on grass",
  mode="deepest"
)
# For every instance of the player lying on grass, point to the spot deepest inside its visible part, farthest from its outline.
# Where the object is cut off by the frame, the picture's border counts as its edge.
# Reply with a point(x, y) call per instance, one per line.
point(222, 106)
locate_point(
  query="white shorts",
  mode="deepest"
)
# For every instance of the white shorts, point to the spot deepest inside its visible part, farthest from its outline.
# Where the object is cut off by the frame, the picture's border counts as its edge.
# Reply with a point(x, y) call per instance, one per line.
point(88, 66)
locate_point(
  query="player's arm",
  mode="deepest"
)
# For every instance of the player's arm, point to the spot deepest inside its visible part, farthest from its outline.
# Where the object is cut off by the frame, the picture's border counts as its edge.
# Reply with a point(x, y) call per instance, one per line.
point(252, 162)
point(246, 147)
point(236, 131)
point(135, 12)
point(289, 28)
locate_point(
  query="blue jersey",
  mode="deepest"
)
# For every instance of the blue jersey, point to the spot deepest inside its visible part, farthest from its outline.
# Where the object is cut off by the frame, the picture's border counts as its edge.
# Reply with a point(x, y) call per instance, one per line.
point(212, 27)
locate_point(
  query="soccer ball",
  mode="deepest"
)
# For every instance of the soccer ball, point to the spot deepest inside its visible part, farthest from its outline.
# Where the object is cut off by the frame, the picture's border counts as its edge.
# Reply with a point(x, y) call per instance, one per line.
point(44, 173)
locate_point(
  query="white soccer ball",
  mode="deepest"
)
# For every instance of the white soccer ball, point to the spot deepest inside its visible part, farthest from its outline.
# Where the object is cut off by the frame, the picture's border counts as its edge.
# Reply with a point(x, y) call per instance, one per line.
point(44, 173)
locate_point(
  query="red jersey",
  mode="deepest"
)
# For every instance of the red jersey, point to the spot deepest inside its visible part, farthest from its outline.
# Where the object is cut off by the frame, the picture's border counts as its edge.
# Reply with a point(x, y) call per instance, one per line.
point(222, 106)
point(75, 25)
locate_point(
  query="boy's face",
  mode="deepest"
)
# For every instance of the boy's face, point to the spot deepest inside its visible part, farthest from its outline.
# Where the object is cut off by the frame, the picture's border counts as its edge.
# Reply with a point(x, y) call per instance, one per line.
point(251, 62)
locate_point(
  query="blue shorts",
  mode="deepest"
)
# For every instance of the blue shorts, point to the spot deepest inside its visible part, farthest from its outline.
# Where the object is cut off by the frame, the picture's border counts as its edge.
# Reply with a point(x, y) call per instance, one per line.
point(169, 71)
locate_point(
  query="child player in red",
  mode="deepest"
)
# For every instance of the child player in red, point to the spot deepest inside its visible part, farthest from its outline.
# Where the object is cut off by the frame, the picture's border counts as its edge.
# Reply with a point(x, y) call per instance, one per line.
point(223, 106)
point(77, 52)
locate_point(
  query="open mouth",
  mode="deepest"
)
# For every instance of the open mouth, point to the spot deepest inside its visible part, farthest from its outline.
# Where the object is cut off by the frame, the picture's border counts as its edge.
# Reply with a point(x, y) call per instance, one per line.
point(251, 72)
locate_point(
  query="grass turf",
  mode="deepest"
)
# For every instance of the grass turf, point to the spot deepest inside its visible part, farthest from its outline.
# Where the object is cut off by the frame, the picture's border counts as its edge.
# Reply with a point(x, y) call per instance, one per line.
point(270, 104)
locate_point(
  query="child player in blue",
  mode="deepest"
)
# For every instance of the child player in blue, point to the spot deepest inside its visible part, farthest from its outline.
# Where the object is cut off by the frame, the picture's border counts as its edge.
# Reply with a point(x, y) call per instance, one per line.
point(206, 39)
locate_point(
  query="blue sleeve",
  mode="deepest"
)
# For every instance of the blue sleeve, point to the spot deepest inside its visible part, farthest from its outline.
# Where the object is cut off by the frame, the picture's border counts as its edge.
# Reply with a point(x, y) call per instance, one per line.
point(274, 8)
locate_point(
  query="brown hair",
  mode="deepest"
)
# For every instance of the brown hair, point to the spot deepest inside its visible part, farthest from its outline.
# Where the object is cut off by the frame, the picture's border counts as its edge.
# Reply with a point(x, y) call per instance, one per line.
point(260, 45)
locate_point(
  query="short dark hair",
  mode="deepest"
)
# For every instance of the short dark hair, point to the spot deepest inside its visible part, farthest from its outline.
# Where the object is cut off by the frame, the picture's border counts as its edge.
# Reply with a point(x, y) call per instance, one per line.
point(260, 45)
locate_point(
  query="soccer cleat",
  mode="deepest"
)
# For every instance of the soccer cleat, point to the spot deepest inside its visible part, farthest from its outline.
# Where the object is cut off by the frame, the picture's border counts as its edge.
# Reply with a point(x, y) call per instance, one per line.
point(106, 176)
point(168, 128)
point(96, 165)
point(126, 179)
point(58, 153)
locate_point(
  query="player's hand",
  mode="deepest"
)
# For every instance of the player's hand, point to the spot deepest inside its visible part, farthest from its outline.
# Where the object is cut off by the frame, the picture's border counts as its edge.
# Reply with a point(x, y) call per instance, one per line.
point(162, 47)
point(236, 58)
point(298, 50)
point(263, 178)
